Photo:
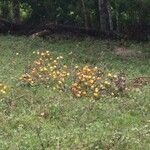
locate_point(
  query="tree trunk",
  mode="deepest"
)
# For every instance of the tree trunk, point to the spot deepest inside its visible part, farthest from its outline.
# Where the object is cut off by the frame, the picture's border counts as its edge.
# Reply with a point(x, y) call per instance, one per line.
point(16, 11)
point(5, 9)
point(110, 16)
point(85, 15)
point(106, 25)
point(117, 25)
point(117, 22)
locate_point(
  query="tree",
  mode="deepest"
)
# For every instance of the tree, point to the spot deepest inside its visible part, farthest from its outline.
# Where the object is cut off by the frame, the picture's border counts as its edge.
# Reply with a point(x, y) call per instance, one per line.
point(105, 16)
point(85, 14)
point(16, 11)
point(5, 8)
point(127, 17)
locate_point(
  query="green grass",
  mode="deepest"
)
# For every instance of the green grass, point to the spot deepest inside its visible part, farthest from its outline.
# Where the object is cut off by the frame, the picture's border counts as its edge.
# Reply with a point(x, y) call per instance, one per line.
point(121, 123)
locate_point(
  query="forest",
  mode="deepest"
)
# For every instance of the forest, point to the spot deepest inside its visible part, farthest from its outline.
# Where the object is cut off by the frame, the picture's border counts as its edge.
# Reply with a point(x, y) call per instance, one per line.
point(129, 19)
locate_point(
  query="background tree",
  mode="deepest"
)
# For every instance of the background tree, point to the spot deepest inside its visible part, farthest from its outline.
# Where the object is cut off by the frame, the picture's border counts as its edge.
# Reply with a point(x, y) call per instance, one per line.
point(105, 16)
point(125, 17)
point(16, 11)
point(5, 8)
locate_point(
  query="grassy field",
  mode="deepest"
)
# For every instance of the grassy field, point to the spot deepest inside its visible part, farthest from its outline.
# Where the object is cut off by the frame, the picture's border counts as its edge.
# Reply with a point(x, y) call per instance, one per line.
point(120, 123)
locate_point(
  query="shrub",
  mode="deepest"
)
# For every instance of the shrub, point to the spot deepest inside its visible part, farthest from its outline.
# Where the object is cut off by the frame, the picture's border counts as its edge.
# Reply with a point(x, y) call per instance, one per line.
point(85, 81)
point(46, 70)
point(93, 82)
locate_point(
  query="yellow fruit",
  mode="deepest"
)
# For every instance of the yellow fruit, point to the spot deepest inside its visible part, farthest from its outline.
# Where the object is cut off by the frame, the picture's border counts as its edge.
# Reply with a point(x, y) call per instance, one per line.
point(78, 95)
point(115, 76)
point(86, 83)
point(45, 69)
point(76, 67)
point(91, 81)
point(112, 94)
point(96, 94)
point(93, 78)
point(75, 84)
point(4, 87)
point(109, 75)
point(60, 82)
point(96, 68)
point(65, 66)
point(107, 83)
point(42, 54)
point(54, 88)
point(98, 78)
point(84, 93)
point(89, 77)
point(92, 87)
point(96, 90)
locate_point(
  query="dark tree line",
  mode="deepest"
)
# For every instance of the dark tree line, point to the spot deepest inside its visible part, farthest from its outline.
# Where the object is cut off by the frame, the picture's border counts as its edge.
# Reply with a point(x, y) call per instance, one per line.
point(123, 17)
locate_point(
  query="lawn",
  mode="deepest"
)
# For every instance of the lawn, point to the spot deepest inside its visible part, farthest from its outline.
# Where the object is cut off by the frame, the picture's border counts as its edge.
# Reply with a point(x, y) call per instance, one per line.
point(34, 118)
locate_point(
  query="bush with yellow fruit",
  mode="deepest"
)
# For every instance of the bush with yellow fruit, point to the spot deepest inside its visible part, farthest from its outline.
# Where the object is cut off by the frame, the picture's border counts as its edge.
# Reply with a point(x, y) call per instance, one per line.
point(46, 70)
point(87, 81)
point(93, 82)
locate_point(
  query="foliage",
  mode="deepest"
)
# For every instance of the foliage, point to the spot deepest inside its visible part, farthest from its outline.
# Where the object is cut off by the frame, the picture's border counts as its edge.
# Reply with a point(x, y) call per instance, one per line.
point(126, 14)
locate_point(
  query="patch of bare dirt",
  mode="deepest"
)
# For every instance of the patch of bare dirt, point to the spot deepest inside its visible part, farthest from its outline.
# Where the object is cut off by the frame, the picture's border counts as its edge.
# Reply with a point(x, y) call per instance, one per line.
point(140, 82)
point(124, 52)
